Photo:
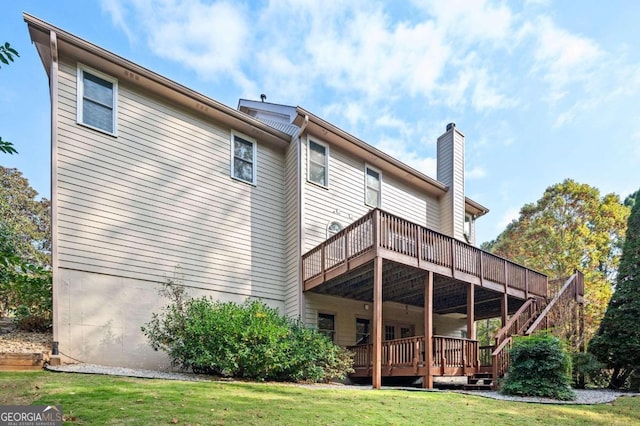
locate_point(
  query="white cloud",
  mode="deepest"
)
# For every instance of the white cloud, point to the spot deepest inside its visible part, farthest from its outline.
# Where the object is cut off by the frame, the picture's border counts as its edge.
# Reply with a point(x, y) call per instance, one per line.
point(563, 58)
point(476, 172)
point(509, 216)
point(398, 148)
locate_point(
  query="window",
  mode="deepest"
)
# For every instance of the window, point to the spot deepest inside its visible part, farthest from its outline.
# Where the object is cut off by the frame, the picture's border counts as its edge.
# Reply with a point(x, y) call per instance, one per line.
point(362, 331)
point(327, 325)
point(96, 100)
point(333, 229)
point(243, 152)
point(372, 187)
point(318, 170)
point(467, 226)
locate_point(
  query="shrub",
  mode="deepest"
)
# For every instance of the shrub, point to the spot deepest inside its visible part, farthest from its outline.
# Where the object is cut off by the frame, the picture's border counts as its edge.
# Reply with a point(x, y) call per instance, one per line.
point(540, 366)
point(250, 341)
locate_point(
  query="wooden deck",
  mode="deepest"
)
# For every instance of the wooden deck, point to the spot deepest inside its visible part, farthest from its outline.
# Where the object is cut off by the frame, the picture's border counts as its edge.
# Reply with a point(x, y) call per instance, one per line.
point(406, 357)
point(392, 238)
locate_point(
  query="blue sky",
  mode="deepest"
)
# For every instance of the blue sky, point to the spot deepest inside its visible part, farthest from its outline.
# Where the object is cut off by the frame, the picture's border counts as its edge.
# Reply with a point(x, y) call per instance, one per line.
point(542, 90)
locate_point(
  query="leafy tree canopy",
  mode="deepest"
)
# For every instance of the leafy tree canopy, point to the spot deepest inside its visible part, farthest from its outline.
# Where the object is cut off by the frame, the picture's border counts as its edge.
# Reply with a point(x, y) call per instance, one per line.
point(7, 53)
point(617, 342)
point(571, 227)
point(24, 218)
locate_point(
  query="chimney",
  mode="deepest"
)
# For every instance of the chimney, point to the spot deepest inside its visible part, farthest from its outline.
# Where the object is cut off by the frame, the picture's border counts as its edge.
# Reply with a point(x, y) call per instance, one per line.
point(450, 158)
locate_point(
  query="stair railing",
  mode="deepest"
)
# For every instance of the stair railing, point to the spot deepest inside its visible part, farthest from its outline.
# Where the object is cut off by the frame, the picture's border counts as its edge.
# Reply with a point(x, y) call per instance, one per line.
point(520, 321)
point(573, 288)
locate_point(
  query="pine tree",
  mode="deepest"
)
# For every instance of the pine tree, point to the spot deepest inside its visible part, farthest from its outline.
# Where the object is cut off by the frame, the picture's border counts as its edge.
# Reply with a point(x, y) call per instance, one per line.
point(617, 342)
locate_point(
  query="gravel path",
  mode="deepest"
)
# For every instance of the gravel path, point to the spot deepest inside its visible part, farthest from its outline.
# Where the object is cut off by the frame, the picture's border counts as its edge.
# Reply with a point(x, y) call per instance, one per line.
point(15, 341)
point(599, 396)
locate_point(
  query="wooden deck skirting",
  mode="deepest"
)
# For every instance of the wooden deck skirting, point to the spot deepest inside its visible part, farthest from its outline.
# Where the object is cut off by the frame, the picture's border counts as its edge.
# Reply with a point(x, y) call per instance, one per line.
point(406, 357)
point(382, 234)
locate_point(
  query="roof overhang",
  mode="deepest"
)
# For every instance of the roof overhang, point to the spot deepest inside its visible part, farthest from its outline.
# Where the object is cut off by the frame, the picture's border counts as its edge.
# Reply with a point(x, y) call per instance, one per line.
point(386, 163)
point(475, 208)
point(77, 49)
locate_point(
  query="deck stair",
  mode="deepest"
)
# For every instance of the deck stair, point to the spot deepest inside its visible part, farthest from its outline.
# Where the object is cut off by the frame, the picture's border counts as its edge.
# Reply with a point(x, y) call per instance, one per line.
point(480, 381)
point(533, 315)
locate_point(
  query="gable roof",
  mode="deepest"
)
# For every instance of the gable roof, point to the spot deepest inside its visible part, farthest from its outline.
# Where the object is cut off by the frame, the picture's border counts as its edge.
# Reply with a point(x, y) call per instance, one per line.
point(44, 35)
point(50, 41)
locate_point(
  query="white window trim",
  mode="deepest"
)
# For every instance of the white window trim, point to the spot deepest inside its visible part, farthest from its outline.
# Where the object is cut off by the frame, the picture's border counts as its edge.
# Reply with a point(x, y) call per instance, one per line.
point(326, 162)
point(80, 98)
point(254, 144)
point(368, 167)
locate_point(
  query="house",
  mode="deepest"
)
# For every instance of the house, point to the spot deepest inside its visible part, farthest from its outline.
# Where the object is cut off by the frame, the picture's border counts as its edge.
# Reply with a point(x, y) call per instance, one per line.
point(264, 201)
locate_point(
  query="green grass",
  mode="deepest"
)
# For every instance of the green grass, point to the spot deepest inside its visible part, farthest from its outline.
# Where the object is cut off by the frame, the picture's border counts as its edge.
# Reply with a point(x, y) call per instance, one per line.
point(92, 399)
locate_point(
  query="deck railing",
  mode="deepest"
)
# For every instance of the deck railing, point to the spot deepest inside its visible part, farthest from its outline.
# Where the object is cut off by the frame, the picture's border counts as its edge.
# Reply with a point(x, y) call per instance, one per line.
point(448, 353)
point(380, 229)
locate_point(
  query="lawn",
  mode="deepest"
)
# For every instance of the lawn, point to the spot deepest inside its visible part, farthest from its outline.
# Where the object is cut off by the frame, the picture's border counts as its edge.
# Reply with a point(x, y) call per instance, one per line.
point(92, 399)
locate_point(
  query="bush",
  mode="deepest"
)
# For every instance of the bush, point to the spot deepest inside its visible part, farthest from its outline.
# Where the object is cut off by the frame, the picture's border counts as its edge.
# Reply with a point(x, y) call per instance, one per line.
point(540, 366)
point(250, 341)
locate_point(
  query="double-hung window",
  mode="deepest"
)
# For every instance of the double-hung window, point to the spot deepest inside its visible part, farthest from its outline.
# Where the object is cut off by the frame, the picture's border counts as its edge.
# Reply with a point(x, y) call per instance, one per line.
point(327, 325)
point(318, 167)
point(96, 103)
point(372, 187)
point(243, 153)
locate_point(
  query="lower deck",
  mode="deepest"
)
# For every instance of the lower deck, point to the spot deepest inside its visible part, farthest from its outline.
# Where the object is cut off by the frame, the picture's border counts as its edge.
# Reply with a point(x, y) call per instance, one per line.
point(406, 357)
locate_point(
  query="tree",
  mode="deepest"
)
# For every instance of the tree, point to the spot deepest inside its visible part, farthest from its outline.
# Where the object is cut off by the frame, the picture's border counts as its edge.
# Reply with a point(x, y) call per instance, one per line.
point(25, 243)
point(6, 55)
point(617, 342)
point(25, 217)
point(571, 227)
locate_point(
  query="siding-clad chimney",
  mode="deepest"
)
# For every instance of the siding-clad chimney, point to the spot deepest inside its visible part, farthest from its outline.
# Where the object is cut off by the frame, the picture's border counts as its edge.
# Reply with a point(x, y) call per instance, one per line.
point(451, 173)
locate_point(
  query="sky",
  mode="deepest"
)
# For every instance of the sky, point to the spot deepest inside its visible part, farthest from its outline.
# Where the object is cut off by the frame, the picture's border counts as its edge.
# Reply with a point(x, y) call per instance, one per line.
point(542, 90)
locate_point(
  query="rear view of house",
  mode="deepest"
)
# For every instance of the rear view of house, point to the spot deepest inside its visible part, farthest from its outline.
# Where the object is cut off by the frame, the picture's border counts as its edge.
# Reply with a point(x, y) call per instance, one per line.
point(151, 180)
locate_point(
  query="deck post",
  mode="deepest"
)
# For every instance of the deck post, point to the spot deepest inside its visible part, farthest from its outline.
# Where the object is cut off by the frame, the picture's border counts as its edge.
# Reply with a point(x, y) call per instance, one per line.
point(504, 308)
point(471, 312)
point(427, 379)
point(377, 323)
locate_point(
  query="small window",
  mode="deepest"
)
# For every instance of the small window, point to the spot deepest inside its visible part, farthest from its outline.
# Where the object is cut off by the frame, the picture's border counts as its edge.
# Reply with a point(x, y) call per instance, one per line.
point(467, 226)
point(318, 170)
point(96, 100)
point(333, 229)
point(327, 325)
point(363, 333)
point(243, 165)
point(372, 187)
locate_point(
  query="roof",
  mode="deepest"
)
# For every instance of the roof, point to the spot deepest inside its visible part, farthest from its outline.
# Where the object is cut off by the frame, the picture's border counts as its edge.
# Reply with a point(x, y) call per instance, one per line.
point(51, 40)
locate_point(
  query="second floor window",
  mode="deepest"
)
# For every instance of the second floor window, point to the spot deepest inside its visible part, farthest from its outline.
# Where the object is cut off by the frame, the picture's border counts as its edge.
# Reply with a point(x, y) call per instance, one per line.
point(243, 165)
point(318, 164)
point(96, 100)
point(372, 187)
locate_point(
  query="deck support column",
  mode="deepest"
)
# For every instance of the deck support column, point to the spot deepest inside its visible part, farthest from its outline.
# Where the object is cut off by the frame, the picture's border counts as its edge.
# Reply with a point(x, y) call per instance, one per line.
point(504, 309)
point(427, 379)
point(471, 312)
point(377, 323)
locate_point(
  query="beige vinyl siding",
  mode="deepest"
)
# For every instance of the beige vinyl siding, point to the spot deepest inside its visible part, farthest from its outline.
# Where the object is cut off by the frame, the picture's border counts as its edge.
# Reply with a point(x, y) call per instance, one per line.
point(344, 200)
point(458, 183)
point(160, 195)
point(292, 286)
point(347, 310)
point(445, 171)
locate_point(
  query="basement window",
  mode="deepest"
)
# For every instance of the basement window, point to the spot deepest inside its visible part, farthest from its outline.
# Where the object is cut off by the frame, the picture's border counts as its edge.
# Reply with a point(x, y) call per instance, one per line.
point(327, 325)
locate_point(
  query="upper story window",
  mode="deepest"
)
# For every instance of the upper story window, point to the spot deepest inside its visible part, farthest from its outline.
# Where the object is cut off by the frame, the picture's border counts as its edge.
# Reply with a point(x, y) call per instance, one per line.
point(97, 94)
point(243, 154)
point(467, 226)
point(372, 187)
point(318, 167)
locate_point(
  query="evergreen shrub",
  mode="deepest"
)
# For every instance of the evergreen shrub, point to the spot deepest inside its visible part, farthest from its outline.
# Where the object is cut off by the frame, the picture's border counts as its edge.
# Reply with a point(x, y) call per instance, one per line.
point(540, 366)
